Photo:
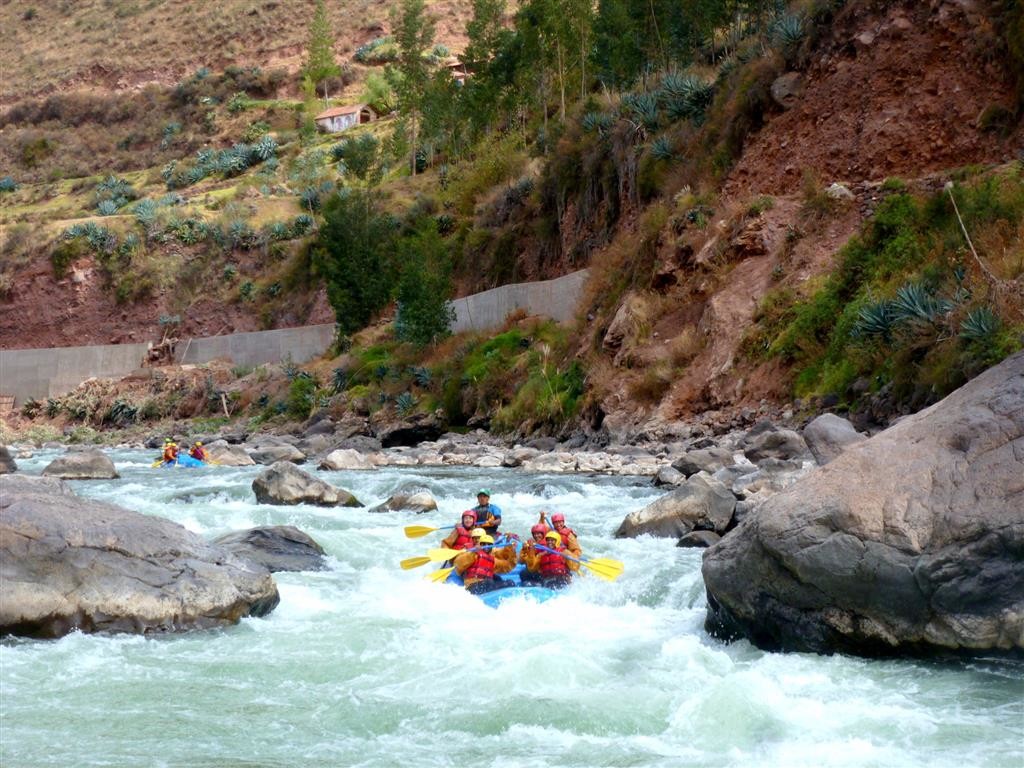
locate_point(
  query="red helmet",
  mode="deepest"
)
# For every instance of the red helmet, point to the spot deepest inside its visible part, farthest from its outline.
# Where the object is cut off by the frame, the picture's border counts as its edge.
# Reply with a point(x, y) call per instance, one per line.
point(558, 517)
point(539, 528)
point(469, 513)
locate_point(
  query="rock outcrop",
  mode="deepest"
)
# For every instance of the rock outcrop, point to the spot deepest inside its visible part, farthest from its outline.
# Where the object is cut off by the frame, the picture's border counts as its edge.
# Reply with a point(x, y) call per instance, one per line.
point(227, 455)
point(284, 483)
point(346, 458)
point(701, 502)
point(7, 463)
point(271, 454)
point(418, 502)
point(276, 548)
point(829, 435)
point(82, 465)
point(70, 563)
point(911, 541)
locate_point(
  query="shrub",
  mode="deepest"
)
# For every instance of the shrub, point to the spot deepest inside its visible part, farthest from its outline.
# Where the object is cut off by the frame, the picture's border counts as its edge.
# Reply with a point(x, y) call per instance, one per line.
point(661, 149)
point(981, 325)
point(8, 184)
point(381, 50)
point(405, 403)
point(684, 97)
point(115, 192)
point(106, 208)
point(302, 396)
point(238, 103)
point(788, 34)
point(597, 122)
point(246, 290)
point(642, 108)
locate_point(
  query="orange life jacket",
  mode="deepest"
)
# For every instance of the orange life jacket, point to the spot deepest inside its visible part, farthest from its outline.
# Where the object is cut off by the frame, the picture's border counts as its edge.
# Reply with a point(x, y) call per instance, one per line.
point(483, 568)
point(552, 564)
point(464, 540)
point(170, 453)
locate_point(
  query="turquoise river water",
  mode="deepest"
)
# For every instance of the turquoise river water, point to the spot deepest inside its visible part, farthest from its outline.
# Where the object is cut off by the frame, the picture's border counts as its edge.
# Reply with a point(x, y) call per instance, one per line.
point(369, 665)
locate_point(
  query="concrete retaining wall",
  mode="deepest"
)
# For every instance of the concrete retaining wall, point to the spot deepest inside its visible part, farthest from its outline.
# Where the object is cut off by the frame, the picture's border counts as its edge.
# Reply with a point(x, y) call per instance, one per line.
point(42, 373)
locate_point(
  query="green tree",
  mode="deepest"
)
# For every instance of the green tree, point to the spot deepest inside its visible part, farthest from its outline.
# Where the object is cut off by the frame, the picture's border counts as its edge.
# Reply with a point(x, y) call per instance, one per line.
point(353, 256)
point(320, 64)
point(424, 313)
point(414, 34)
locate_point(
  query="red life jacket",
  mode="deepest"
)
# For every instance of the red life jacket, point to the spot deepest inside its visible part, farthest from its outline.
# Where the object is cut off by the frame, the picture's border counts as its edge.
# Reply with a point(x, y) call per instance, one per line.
point(552, 564)
point(198, 453)
point(464, 540)
point(565, 533)
point(483, 568)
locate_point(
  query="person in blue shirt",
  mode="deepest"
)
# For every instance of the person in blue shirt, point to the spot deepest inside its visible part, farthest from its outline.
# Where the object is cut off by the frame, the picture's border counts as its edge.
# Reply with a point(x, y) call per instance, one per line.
point(488, 516)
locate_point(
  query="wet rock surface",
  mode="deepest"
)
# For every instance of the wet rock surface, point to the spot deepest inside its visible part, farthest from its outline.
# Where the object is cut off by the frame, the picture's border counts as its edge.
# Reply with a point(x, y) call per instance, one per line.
point(285, 483)
point(88, 464)
point(275, 548)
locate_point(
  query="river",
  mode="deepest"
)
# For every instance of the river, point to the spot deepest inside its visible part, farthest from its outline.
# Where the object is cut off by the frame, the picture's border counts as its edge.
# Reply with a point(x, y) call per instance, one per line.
point(369, 665)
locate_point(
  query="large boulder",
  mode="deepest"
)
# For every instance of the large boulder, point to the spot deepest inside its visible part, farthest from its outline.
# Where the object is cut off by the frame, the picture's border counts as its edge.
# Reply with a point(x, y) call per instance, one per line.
point(346, 458)
point(418, 502)
point(829, 435)
point(228, 455)
point(276, 548)
point(70, 563)
point(284, 483)
point(89, 464)
point(773, 443)
point(708, 460)
point(701, 502)
point(7, 464)
point(271, 454)
point(409, 431)
point(909, 541)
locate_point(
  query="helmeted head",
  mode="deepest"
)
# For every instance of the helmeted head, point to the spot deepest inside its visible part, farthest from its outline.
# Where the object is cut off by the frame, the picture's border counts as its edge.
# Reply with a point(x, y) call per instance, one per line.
point(483, 497)
point(199, 443)
point(486, 539)
point(553, 537)
point(539, 531)
point(558, 520)
point(469, 513)
point(477, 533)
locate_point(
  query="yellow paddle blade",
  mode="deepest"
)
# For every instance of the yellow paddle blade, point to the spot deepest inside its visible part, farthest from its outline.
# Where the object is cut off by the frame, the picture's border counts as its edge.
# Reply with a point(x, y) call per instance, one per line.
point(607, 563)
point(442, 554)
point(414, 562)
point(604, 570)
point(157, 463)
point(416, 531)
point(439, 576)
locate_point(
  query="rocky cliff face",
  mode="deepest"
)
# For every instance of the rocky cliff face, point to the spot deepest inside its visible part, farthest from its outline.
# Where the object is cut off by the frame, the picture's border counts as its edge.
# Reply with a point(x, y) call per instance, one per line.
point(910, 541)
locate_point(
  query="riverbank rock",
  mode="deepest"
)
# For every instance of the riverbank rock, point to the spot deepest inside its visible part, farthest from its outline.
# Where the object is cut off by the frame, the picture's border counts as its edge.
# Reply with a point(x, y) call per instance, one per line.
point(7, 463)
point(276, 548)
point(701, 502)
point(708, 460)
point(285, 483)
point(669, 476)
point(346, 458)
point(558, 461)
point(410, 431)
point(911, 541)
point(227, 455)
point(770, 442)
point(89, 464)
point(699, 539)
point(418, 502)
point(70, 563)
point(829, 435)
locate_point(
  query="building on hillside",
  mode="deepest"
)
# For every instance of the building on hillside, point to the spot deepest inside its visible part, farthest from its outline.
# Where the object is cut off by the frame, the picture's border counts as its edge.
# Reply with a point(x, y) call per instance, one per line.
point(338, 119)
point(458, 70)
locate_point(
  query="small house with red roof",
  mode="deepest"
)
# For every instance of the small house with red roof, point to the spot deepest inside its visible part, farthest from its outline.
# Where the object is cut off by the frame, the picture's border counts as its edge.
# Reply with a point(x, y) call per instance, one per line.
point(338, 119)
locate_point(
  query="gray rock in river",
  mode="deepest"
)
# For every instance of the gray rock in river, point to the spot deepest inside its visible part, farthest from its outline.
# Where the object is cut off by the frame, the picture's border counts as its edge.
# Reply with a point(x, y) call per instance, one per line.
point(228, 455)
point(284, 483)
point(7, 463)
point(270, 454)
point(276, 548)
point(699, 539)
point(90, 464)
point(70, 563)
point(418, 502)
point(829, 435)
point(910, 541)
point(701, 502)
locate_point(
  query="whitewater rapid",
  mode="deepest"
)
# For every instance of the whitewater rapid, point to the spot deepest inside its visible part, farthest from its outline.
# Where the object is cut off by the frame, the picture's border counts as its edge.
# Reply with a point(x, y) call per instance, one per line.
point(369, 665)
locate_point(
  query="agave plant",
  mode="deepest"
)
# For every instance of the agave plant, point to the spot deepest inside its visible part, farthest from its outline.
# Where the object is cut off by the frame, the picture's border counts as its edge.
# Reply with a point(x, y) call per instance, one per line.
point(684, 96)
point(106, 207)
point(914, 303)
point(788, 33)
point(643, 108)
point(339, 380)
point(981, 325)
point(301, 224)
point(661, 149)
point(421, 375)
point(597, 122)
point(875, 320)
point(404, 403)
point(264, 149)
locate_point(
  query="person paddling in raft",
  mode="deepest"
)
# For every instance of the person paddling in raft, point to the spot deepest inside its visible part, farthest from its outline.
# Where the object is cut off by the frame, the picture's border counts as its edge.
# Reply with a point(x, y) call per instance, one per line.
point(170, 454)
point(488, 516)
point(461, 537)
point(537, 534)
point(569, 540)
point(549, 564)
point(197, 452)
point(479, 566)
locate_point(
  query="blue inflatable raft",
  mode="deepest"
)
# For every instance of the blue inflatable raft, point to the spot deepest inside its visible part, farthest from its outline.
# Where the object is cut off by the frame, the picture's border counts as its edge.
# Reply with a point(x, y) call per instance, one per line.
point(509, 586)
point(184, 460)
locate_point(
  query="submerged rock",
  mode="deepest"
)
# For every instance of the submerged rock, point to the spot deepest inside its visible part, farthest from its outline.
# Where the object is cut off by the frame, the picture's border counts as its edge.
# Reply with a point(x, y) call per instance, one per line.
point(285, 483)
point(418, 502)
point(276, 548)
point(909, 541)
point(70, 563)
point(88, 464)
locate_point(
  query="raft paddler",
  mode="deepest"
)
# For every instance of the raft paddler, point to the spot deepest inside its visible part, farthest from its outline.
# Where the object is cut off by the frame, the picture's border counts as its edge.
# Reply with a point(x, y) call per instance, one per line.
point(197, 452)
point(479, 566)
point(548, 565)
point(170, 454)
point(461, 536)
point(569, 539)
point(537, 533)
point(488, 516)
